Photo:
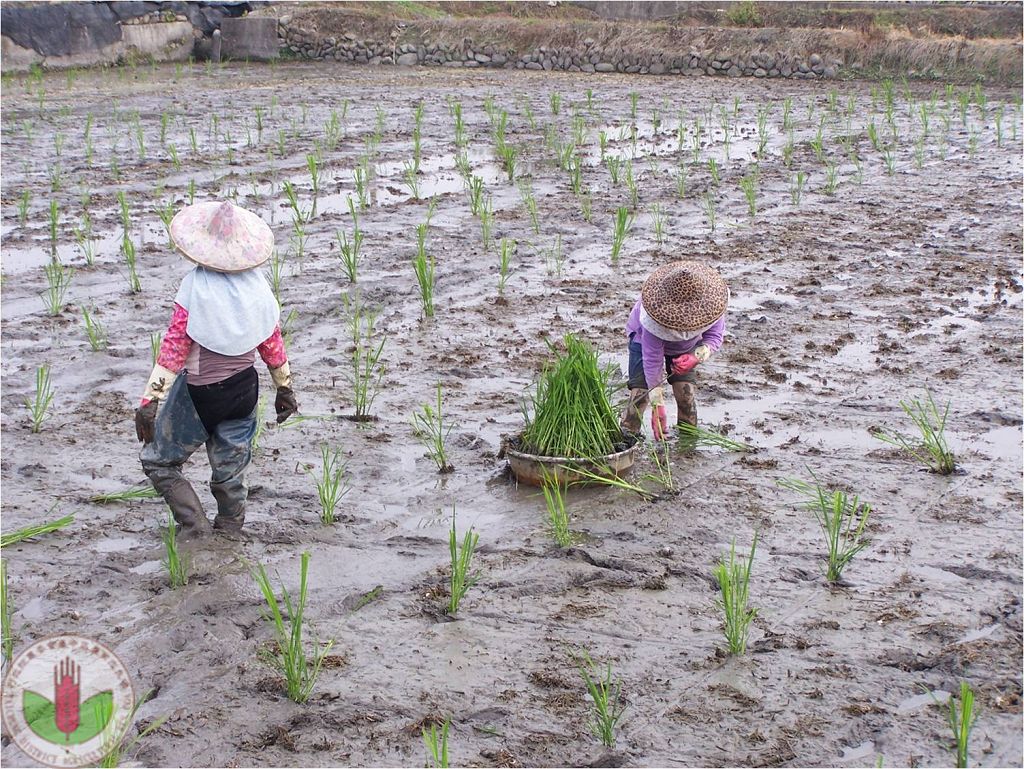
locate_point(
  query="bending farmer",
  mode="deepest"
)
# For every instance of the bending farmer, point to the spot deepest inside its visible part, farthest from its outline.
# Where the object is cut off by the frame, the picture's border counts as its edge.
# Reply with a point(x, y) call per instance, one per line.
point(676, 324)
point(224, 313)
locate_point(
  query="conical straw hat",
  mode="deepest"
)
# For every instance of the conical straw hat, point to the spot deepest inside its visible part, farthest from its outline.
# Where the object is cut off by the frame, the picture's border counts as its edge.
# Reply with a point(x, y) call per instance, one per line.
point(685, 296)
point(222, 237)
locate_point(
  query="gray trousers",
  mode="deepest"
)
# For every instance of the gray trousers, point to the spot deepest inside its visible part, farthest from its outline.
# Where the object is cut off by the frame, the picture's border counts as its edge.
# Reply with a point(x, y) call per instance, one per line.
point(178, 434)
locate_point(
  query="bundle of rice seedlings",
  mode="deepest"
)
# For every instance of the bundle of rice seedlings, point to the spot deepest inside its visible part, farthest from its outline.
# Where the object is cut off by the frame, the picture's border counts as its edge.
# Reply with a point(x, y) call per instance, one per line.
point(572, 414)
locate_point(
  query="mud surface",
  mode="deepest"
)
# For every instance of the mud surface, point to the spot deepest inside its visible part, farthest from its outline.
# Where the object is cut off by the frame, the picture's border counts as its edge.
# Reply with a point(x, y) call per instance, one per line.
point(842, 305)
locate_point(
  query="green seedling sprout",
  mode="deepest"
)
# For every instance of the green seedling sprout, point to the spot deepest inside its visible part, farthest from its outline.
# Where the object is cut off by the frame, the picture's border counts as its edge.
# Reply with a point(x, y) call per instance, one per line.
point(621, 226)
point(437, 745)
point(486, 222)
point(558, 517)
point(7, 636)
point(54, 221)
point(30, 532)
point(733, 579)
point(476, 195)
point(128, 252)
point(749, 186)
point(349, 248)
point(605, 695)
point(331, 484)
point(423, 266)
point(289, 656)
point(692, 437)
point(94, 330)
point(961, 717)
point(508, 248)
point(177, 567)
point(933, 450)
point(58, 279)
point(658, 223)
point(708, 204)
point(796, 189)
point(461, 560)
point(23, 202)
point(126, 495)
point(429, 426)
point(116, 745)
point(39, 404)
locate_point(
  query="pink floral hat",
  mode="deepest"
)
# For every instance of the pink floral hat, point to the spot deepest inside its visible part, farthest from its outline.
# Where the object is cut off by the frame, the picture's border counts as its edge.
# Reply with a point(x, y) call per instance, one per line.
point(222, 237)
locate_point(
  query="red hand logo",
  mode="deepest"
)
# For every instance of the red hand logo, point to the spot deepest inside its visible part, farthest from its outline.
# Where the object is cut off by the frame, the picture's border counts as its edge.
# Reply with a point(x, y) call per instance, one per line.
point(67, 679)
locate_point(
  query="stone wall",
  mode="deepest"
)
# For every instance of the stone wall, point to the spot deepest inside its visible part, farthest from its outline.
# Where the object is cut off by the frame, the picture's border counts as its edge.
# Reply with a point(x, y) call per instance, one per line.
point(586, 56)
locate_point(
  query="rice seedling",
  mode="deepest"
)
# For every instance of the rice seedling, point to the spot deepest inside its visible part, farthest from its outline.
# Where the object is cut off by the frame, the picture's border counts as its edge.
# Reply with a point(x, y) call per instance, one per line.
point(128, 253)
point(919, 148)
point(313, 166)
point(682, 174)
point(58, 143)
point(437, 745)
point(602, 144)
point(634, 98)
point(554, 260)
point(460, 125)
point(7, 632)
point(58, 279)
point(818, 142)
point(762, 129)
point(508, 248)
point(275, 273)
point(556, 102)
point(658, 223)
point(429, 426)
point(692, 437)
point(530, 202)
point(367, 369)
point(605, 694)
point(713, 170)
point(423, 266)
point(932, 450)
point(292, 198)
point(889, 156)
point(972, 143)
point(361, 180)
point(54, 219)
point(166, 213)
point(126, 495)
point(733, 579)
point(289, 657)
point(486, 222)
point(787, 114)
point(461, 560)
point(94, 330)
point(631, 185)
point(662, 460)
point(476, 195)
point(191, 191)
point(831, 177)
point(575, 168)
point(30, 532)
point(613, 164)
point(331, 484)
point(349, 248)
point(508, 154)
point(572, 414)
point(787, 151)
point(621, 226)
point(842, 519)
point(558, 517)
point(961, 717)
point(411, 180)
point(125, 213)
point(749, 186)
point(708, 204)
point(115, 745)
point(177, 567)
point(23, 202)
point(998, 115)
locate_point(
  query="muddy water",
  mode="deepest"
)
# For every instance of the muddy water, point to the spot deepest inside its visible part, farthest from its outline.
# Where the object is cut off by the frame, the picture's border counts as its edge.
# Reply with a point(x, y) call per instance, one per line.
point(842, 305)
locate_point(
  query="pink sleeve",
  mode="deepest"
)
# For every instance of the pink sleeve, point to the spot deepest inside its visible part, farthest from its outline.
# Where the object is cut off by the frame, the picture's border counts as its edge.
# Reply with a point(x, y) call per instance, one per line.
point(176, 344)
point(272, 350)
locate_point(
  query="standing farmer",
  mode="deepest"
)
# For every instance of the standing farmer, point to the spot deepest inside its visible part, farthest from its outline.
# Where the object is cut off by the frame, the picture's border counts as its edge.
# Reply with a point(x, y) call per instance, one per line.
point(676, 324)
point(224, 313)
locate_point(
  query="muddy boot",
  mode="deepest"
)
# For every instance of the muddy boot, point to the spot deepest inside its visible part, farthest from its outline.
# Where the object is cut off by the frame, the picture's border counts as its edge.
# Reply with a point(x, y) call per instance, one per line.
point(230, 498)
point(632, 420)
point(686, 402)
point(181, 498)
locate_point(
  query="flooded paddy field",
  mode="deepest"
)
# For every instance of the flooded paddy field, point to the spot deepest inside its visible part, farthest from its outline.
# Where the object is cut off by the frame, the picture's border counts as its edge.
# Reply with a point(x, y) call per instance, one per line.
point(879, 256)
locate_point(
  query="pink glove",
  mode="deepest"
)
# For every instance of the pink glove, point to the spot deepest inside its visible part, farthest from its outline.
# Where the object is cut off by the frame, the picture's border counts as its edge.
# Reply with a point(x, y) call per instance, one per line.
point(659, 422)
point(685, 363)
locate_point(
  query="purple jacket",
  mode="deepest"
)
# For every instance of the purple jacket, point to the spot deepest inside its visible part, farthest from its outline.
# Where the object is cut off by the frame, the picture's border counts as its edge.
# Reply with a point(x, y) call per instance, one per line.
point(656, 349)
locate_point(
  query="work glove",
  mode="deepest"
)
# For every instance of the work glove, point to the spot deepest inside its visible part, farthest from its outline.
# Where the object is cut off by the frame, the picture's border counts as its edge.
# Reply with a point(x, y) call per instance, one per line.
point(684, 364)
point(145, 421)
point(285, 404)
point(687, 362)
point(659, 419)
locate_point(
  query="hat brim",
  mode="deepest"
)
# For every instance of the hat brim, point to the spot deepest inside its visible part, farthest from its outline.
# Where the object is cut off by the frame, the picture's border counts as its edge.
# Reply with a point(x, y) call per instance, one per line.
point(250, 244)
point(685, 313)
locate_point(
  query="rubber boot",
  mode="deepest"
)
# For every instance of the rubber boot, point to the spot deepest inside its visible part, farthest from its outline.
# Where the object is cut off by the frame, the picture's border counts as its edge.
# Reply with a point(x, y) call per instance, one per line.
point(632, 420)
point(230, 498)
point(686, 402)
point(181, 498)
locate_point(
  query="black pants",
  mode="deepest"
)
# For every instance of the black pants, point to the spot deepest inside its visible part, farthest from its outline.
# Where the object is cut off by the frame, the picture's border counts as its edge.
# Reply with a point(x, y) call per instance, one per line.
point(232, 398)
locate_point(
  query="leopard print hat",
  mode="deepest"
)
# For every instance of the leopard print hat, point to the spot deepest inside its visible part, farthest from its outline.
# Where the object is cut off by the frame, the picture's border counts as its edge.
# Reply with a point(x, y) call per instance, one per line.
point(685, 296)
